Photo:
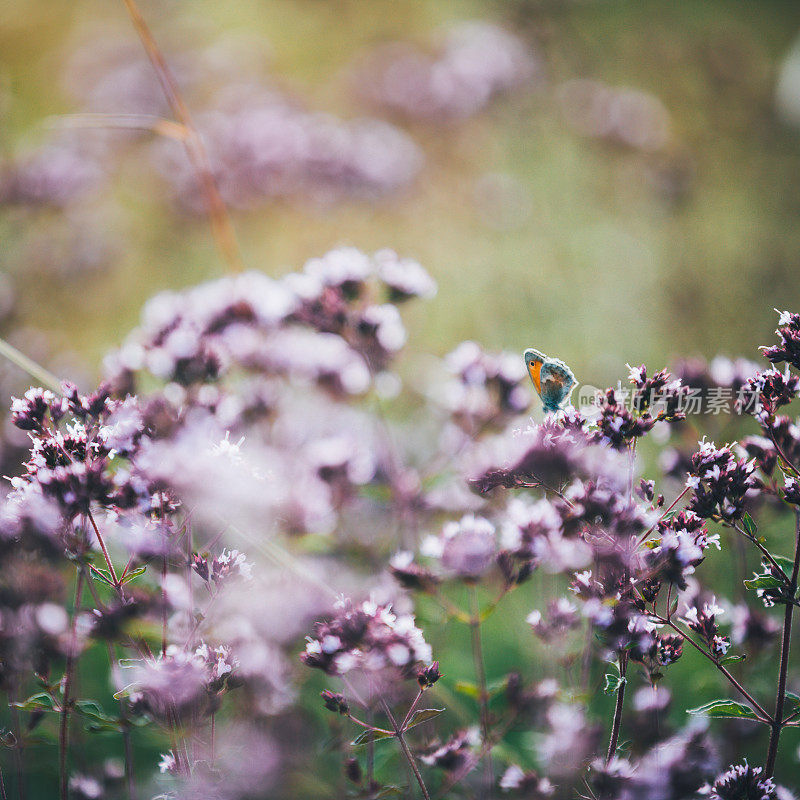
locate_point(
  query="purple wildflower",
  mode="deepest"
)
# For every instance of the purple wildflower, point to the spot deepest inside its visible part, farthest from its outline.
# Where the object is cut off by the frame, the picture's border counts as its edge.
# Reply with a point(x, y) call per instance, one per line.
point(742, 782)
point(368, 637)
point(789, 334)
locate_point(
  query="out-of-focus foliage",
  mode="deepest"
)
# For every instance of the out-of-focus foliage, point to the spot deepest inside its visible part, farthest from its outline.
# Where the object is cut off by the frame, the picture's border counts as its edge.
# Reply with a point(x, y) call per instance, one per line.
point(578, 242)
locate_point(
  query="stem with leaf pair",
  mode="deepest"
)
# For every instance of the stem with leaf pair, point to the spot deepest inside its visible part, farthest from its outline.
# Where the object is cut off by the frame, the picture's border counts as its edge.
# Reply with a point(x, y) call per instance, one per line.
point(399, 735)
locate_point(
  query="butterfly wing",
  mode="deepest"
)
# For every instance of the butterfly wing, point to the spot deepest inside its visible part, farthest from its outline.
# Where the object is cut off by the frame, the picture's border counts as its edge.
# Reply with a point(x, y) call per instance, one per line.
point(534, 361)
point(557, 383)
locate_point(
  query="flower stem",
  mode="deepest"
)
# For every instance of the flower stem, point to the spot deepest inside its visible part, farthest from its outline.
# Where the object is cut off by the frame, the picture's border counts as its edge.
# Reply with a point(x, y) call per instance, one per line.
point(764, 552)
point(16, 730)
point(664, 514)
point(410, 710)
point(623, 654)
point(612, 743)
point(106, 556)
point(63, 731)
point(413, 764)
point(36, 371)
point(780, 451)
point(221, 226)
point(480, 672)
point(164, 606)
point(213, 735)
point(370, 744)
point(738, 686)
point(126, 731)
point(777, 721)
point(398, 734)
point(128, 748)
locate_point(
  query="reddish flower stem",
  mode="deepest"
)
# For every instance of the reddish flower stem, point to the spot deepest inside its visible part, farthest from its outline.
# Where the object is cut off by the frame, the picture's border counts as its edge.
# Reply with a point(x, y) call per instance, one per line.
point(398, 734)
point(666, 511)
point(163, 606)
point(615, 725)
point(738, 686)
point(221, 226)
point(368, 726)
point(410, 710)
point(780, 451)
point(103, 547)
point(780, 699)
point(764, 552)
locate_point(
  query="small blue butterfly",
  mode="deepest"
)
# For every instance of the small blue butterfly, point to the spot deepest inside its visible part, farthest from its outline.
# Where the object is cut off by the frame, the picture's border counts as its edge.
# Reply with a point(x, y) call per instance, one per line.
point(552, 378)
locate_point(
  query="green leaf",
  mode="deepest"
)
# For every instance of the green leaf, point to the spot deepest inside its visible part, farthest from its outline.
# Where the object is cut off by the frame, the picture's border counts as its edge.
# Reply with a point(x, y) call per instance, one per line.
point(764, 582)
point(786, 564)
point(496, 687)
point(125, 690)
point(36, 702)
point(750, 527)
point(732, 659)
point(134, 574)
point(40, 738)
point(793, 698)
point(104, 727)
point(7, 738)
point(724, 708)
point(370, 736)
point(674, 608)
point(389, 791)
point(613, 683)
point(423, 715)
point(469, 689)
point(93, 712)
point(103, 576)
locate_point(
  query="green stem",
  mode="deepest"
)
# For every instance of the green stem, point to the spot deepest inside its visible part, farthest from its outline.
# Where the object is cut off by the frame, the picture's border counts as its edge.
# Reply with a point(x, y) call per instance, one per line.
point(480, 671)
point(36, 371)
point(63, 731)
point(126, 731)
point(17, 731)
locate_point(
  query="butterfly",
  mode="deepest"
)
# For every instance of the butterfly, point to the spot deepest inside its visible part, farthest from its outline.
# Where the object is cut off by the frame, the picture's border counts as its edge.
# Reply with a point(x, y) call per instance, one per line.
point(552, 378)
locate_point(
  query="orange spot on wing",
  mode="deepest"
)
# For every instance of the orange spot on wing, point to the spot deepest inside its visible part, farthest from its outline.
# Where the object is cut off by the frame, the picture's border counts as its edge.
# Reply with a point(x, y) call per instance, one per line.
point(535, 370)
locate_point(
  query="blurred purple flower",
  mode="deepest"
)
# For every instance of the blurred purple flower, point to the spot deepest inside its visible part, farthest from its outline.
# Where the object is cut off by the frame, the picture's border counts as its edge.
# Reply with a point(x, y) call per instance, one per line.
point(476, 62)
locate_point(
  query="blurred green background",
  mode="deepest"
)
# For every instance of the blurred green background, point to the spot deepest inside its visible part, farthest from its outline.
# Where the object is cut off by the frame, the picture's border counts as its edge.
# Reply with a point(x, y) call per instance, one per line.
point(599, 263)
